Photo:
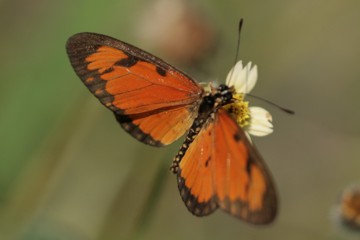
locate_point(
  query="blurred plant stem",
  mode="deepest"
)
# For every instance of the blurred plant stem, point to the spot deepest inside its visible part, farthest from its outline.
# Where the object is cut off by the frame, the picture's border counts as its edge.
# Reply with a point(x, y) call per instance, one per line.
point(35, 183)
point(147, 213)
point(134, 208)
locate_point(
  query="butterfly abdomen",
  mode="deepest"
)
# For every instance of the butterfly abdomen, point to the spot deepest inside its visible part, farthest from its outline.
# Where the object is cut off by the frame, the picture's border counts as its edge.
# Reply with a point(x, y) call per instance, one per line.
point(209, 104)
point(193, 131)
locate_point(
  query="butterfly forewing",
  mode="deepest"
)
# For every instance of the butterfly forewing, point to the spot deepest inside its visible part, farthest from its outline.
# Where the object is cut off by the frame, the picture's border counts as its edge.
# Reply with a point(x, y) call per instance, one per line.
point(223, 169)
point(152, 100)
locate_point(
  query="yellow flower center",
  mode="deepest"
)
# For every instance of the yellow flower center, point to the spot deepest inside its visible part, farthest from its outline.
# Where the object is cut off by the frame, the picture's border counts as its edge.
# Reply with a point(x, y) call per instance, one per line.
point(239, 110)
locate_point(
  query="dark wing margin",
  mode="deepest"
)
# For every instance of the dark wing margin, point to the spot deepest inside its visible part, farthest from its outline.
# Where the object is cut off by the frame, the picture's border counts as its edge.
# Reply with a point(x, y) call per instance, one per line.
point(142, 90)
point(221, 168)
point(194, 175)
point(244, 185)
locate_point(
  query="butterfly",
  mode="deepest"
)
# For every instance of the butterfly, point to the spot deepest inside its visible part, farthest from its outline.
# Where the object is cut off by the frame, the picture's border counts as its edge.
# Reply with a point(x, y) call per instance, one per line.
point(217, 166)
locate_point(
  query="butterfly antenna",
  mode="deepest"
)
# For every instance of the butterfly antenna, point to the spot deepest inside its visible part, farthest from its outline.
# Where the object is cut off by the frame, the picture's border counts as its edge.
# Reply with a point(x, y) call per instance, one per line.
point(237, 45)
point(273, 104)
point(236, 59)
point(238, 40)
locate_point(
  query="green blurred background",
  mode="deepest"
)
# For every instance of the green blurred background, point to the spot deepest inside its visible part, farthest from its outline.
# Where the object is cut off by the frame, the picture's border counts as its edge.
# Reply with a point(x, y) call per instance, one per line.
point(68, 171)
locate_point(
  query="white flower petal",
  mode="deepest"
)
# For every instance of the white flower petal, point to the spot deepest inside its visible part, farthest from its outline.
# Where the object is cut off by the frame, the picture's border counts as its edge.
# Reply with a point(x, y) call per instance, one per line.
point(260, 114)
point(259, 132)
point(252, 78)
point(230, 79)
point(237, 72)
point(260, 122)
point(242, 78)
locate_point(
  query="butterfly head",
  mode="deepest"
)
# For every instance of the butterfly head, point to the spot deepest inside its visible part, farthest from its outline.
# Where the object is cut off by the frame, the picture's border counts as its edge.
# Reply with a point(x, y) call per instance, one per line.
point(226, 97)
point(222, 94)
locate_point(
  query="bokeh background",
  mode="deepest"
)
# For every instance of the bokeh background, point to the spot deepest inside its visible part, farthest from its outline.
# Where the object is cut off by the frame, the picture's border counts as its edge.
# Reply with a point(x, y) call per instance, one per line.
point(68, 171)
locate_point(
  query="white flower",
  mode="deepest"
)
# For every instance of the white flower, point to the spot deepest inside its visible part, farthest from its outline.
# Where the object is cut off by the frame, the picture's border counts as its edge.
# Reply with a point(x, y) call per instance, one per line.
point(255, 120)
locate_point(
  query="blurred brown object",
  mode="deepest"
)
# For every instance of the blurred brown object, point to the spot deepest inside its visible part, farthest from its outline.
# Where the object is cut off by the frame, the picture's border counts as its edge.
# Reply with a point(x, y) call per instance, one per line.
point(348, 208)
point(177, 29)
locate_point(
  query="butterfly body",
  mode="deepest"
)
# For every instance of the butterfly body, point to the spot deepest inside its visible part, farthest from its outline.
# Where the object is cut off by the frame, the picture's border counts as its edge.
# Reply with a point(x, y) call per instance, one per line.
point(210, 103)
point(217, 166)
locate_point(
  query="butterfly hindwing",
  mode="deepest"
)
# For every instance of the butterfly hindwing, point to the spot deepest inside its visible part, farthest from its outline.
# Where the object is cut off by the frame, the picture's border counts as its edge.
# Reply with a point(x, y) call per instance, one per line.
point(221, 168)
point(151, 100)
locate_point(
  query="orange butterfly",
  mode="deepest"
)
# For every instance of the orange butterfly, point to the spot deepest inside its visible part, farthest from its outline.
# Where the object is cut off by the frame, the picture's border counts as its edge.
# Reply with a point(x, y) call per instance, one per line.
point(217, 165)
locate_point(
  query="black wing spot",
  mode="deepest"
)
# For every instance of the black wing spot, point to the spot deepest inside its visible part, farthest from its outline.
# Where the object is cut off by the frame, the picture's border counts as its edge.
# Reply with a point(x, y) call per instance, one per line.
point(109, 70)
point(207, 162)
point(237, 137)
point(248, 167)
point(161, 71)
point(127, 62)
